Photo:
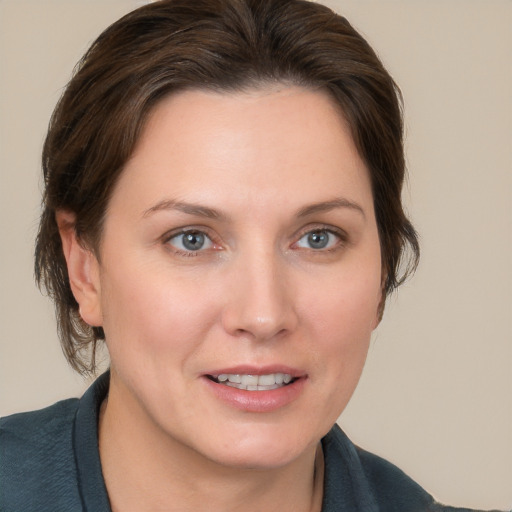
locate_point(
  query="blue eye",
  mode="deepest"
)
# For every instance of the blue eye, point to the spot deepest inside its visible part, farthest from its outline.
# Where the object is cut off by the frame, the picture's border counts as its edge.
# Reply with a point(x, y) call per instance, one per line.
point(318, 239)
point(191, 241)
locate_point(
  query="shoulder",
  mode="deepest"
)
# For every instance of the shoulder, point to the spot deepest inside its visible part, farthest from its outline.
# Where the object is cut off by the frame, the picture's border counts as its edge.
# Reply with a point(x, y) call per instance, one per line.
point(391, 490)
point(393, 486)
point(32, 435)
point(37, 460)
point(390, 485)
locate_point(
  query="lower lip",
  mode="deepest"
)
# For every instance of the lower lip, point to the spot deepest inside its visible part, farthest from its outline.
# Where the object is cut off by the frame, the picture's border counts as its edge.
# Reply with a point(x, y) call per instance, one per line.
point(257, 401)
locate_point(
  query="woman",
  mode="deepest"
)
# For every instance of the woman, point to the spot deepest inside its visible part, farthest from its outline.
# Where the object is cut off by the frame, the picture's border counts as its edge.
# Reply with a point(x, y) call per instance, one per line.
point(222, 207)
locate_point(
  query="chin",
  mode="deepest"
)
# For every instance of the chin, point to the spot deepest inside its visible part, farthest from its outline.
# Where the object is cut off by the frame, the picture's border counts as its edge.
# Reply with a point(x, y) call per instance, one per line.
point(258, 460)
point(260, 451)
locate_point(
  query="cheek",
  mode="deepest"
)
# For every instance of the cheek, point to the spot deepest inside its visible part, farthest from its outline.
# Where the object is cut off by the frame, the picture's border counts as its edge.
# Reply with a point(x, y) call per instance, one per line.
point(346, 305)
point(338, 369)
point(151, 314)
point(341, 320)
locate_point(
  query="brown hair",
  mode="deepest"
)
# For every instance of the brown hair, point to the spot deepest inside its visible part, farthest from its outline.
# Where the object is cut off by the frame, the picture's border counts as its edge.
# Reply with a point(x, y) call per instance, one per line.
point(225, 45)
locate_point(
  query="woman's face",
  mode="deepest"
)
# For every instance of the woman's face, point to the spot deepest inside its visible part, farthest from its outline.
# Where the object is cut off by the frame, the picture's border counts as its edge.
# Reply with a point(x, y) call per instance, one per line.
point(240, 249)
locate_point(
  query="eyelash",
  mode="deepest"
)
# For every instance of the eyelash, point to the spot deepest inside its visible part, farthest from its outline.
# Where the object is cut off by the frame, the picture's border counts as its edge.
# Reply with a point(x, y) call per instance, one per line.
point(340, 235)
point(189, 231)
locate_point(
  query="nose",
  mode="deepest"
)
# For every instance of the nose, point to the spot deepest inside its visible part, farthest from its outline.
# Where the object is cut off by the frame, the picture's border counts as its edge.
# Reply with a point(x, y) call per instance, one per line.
point(260, 303)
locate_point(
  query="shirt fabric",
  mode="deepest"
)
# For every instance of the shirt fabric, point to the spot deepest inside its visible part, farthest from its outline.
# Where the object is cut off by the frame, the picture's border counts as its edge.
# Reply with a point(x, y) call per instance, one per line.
point(49, 462)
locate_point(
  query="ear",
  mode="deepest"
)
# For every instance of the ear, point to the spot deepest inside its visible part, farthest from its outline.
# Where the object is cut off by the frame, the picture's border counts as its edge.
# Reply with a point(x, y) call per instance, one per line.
point(83, 270)
point(380, 310)
point(382, 302)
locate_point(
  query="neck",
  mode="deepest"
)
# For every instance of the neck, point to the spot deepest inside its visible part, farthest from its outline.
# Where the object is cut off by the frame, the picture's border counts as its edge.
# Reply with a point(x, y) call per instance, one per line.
point(146, 469)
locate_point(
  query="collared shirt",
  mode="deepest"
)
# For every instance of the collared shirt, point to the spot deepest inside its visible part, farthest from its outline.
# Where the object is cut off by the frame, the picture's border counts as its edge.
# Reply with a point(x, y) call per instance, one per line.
point(49, 462)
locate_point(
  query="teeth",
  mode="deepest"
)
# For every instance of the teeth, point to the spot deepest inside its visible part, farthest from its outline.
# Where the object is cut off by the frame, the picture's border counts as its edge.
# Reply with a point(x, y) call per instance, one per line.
point(255, 382)
point(267, 380)
point(249, 380)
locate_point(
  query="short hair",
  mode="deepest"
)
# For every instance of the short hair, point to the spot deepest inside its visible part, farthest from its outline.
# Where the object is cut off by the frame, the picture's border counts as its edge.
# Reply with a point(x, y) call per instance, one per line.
point(220, 45)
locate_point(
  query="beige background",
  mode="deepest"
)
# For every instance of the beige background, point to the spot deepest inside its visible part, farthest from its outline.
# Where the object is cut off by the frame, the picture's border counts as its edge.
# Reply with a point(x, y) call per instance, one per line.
point(435, 397)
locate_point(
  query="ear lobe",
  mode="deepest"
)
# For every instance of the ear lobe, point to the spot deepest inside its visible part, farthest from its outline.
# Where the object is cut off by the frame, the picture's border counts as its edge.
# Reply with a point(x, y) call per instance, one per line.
point(380, 310)
point(83, 270)
point(382, 302)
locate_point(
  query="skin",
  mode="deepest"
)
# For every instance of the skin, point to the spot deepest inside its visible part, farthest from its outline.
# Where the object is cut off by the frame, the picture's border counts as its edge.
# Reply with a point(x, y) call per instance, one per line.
point(274, 164)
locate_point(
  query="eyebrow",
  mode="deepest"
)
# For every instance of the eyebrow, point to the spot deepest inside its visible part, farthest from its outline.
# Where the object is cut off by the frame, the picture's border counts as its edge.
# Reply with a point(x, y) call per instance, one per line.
point(188, 208)
point(210, 213)
point(326, 206)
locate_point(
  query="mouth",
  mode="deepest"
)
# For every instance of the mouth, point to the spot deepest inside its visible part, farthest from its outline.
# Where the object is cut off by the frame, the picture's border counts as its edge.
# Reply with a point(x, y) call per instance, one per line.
point(248, 382)
point(257, 389)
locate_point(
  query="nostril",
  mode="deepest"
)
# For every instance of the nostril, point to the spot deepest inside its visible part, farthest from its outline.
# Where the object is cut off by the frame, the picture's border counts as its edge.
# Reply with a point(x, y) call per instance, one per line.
point(260, 333)
point(258, 315)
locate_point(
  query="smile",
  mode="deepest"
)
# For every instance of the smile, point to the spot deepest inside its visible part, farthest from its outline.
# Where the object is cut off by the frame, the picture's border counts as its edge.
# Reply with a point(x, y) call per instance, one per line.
point(249, 382)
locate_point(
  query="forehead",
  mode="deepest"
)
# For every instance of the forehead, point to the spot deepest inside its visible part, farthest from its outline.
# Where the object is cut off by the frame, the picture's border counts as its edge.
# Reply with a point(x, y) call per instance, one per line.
point(271, 141)
point(225, 117)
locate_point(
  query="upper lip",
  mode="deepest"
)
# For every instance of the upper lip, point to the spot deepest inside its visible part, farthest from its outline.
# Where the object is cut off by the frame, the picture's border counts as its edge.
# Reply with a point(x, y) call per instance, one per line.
point(245, 369)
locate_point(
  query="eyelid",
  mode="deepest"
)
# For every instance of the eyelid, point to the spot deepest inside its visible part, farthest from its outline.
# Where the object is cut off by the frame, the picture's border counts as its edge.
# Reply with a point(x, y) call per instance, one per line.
point(169, 235)
point(187, 229)
point(319, 226)
point(341, 234)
